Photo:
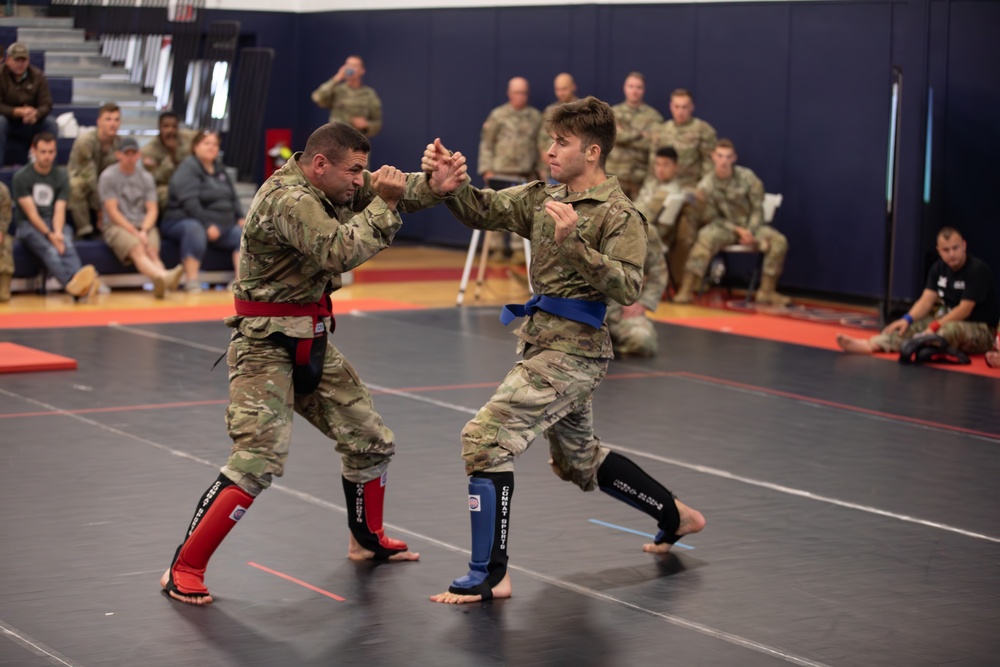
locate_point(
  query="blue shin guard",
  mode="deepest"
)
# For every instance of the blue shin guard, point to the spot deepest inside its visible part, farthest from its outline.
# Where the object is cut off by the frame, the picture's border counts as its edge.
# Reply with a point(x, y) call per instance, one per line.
point(489, 509)
point(620, 478)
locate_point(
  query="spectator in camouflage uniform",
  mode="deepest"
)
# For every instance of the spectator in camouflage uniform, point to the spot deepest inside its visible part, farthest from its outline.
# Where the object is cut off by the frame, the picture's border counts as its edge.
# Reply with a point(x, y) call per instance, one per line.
point(734, 209)
point(693, 139)
point(635, 122)
point(93, 152)
point(349, 100)
point(508, 147)
point(319, 216)
point(959, 303)
point(564, 88)
point(588, 246)
point(6, 245)
point(654, 193)
point(632, 332)
point(162, 155)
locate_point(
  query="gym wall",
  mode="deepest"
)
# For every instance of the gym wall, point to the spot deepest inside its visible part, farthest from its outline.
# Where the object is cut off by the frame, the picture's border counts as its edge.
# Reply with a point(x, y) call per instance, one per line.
point(802, 88)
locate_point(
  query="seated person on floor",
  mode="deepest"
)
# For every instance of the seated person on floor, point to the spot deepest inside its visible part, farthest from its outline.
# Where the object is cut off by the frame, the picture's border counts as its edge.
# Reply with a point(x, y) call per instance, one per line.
point(962, 285)
point(203, 208)
point(6, 245)
point(93, 152)
point(25, 100)
point(41, 190)
point(128, 196)
point(161, 156)
point(632, 332)
point(734, 212)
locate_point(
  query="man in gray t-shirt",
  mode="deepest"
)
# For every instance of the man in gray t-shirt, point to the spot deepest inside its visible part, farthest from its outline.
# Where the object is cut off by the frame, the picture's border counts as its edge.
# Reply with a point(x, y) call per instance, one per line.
point(128, 196)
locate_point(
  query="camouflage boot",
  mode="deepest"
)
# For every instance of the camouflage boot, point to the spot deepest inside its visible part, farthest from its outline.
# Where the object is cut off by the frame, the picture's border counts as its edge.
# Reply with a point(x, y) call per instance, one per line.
point(768, 295)
point(5, 287)
point(685, 293)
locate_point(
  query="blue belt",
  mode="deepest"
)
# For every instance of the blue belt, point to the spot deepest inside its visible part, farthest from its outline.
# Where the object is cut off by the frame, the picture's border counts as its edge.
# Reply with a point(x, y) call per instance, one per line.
point(586, 312)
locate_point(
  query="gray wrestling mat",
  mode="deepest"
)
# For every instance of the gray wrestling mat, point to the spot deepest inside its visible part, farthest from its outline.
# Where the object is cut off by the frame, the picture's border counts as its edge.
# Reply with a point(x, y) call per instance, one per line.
point(853, 511)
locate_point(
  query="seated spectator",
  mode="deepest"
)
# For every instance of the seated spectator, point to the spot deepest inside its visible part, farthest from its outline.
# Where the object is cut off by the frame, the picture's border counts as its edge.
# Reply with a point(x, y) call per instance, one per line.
point(653, 195)
point(6, 245)
point(734, 211)
point(203, 208)
point(128, 195)
point(162, 155)
point(632, 333)
point(959, 303)
point(93, 152)
point(41, 190)
point(25, 100)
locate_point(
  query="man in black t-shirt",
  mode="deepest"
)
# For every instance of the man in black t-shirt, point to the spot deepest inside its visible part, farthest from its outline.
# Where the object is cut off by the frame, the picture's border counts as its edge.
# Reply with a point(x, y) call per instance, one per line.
point(959, 304)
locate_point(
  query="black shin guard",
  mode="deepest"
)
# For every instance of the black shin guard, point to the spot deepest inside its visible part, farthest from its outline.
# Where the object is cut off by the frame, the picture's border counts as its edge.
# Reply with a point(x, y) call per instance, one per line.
point(623, 479)
point(365, 504)
point(489, 507)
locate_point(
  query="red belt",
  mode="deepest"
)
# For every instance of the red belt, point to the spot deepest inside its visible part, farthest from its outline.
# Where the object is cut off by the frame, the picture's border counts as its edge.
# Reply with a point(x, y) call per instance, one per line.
point(322, 308)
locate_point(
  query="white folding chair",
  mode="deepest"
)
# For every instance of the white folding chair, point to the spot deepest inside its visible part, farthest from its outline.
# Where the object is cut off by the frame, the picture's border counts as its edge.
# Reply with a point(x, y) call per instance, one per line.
point(771, 204)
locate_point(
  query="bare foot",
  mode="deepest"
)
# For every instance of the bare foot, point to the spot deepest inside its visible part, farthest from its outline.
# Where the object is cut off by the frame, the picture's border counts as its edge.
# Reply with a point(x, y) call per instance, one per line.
point(854, 345)
point(501, 590)
point(199, 600)
point(691, 522)
point(357, 552)
point(993, 359)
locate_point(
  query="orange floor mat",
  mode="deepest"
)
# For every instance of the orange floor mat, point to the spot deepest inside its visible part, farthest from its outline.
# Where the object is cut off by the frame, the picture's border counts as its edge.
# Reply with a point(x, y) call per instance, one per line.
point(16, 358)
point(204, 313)
point(810, 334)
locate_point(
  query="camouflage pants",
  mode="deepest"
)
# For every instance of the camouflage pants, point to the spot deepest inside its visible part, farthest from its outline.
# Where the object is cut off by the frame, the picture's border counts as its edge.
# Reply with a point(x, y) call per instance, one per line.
point(633, 335)
point(259, 417)
point(713, 238)
point(6, 253)
point(546, 392)
point(82, 200)
point(969, 337)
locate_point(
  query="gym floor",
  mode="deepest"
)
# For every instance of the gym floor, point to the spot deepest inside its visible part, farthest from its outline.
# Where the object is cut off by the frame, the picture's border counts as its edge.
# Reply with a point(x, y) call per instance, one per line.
point(853, 510)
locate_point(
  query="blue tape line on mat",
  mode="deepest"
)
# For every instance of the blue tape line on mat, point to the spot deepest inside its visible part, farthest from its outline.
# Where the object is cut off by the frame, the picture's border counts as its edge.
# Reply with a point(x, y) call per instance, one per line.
point(636, 532)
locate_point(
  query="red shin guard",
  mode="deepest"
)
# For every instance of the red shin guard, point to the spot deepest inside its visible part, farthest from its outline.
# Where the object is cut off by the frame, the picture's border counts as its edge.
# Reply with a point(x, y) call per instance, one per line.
point(218, 511)
point(364, 516)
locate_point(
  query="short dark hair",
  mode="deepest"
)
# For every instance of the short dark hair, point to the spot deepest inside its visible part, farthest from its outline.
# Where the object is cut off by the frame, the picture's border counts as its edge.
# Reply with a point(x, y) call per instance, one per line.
point(635, 75)
point(333, 141)
point(725, 143)
point(668, 152)
point(108, 107)
point(42, 136)
point(590, 119)
point(682, 92)
point(165, 115)
point(947, 232)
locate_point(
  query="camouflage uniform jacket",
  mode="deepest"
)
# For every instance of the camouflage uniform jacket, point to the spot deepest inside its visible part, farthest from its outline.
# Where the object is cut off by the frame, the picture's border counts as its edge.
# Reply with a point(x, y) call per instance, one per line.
point(734, 202)
point(694, 142)
point(654, 271)
point(296, 243)
point(508, 143)
point(652, 197)
point(6, 241)
point(631, 151)
point(158, 161)
point(88, 158)
point(345, 103)
point(600, 261)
